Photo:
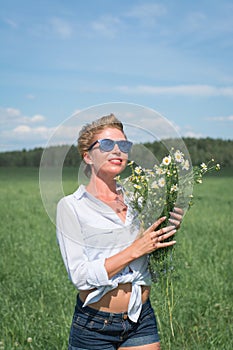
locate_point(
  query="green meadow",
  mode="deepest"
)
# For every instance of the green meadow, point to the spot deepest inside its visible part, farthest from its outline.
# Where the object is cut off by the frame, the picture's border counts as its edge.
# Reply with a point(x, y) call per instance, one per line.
point(194, 312)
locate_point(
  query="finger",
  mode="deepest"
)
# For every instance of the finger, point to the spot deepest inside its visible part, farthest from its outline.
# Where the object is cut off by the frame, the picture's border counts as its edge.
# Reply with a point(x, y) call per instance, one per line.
point(176, 223)
point(156, 224)
point(176, 216)
point(165, 236)
point(160, 241)
point(164, 244)
point(178, 210)
point(166, 232)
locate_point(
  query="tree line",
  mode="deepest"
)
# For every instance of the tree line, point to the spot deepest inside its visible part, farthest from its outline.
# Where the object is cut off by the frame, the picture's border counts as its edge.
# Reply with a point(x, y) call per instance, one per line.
point(200, 150)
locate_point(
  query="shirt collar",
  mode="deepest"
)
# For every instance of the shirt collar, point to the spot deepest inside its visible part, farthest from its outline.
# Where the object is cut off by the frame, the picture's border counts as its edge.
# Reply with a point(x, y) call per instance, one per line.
point(80, 192)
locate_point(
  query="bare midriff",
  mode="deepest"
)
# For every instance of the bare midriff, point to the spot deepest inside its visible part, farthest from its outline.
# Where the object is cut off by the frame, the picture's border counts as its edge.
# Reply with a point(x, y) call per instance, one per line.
point(116, 300)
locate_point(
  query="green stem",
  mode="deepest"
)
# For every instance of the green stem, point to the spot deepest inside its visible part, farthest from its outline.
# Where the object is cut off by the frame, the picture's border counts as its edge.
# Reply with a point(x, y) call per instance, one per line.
point(170, 303)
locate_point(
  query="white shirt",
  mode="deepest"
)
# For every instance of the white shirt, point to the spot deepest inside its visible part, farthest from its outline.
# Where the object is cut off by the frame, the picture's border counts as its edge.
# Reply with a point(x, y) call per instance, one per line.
point(88, 232)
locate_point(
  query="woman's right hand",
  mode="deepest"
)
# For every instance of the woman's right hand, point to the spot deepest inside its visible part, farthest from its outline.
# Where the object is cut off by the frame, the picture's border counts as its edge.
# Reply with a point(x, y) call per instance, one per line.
point(153, 239)
point(150, 240)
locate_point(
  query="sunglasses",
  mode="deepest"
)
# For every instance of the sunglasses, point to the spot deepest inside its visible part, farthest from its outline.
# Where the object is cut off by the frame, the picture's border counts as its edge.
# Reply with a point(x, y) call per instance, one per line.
point(107, 145)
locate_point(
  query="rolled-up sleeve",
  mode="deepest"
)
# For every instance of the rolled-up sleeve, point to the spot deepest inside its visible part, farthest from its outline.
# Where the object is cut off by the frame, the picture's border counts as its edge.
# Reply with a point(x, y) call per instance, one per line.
point(83, 273)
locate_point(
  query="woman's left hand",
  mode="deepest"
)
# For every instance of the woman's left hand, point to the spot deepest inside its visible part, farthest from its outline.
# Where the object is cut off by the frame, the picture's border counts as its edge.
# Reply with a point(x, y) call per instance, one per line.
point(176, 217)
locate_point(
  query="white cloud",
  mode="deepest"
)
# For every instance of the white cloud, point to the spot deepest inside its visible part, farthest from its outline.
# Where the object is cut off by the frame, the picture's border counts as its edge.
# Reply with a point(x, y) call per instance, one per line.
point(26, 132)
point(24, 135)
point(11, 23)
point(52, 135)
point(37, 118)
point(183, 90)
point(192, 133)
point(221, 119)
point(147, 125)
point(109, 25)
point(13, 116)
point(30, 97)
point(9, 115)
point(106, 25)
point(62, 28)
point(10, 112)
point(195, 21)
point(147, 13)
point(22, 130)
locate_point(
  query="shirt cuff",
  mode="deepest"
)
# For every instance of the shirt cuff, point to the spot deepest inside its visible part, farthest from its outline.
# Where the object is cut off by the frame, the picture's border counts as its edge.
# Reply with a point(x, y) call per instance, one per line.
point(97, 274)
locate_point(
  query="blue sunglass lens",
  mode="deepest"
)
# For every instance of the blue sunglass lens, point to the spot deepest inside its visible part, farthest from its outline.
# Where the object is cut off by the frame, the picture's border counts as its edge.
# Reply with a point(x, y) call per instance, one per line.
point(124, 146)
point(107, 145)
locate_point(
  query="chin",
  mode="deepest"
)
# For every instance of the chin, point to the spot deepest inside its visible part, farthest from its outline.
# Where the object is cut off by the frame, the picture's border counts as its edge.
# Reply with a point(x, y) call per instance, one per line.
point(113, 170)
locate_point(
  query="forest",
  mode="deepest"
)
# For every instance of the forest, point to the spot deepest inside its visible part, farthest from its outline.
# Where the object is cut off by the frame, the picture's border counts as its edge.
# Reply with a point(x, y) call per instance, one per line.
point(200, 150)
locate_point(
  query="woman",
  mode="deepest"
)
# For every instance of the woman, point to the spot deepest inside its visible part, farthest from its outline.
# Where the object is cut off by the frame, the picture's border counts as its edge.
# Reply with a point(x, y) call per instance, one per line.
point(104, 254)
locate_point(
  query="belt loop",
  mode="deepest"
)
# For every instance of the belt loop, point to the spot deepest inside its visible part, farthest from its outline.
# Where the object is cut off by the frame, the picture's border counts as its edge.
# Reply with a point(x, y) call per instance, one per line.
point(110, 317)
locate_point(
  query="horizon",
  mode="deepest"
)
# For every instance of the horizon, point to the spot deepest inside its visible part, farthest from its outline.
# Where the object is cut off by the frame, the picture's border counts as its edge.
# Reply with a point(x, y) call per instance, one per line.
point(70, 145)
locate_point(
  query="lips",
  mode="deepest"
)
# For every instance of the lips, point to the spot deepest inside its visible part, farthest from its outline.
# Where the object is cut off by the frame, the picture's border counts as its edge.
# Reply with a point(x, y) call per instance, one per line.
point(115, 161)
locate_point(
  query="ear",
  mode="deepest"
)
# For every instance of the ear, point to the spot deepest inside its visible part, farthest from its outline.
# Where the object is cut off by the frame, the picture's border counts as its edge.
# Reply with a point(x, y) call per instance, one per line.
point(87, 158)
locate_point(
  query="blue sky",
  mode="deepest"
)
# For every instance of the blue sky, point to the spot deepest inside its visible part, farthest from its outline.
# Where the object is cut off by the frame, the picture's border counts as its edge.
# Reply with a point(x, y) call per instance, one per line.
point(58, 57)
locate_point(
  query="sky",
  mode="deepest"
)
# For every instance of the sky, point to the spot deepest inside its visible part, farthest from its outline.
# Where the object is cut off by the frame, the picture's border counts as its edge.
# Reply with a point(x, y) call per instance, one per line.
point(59, 58)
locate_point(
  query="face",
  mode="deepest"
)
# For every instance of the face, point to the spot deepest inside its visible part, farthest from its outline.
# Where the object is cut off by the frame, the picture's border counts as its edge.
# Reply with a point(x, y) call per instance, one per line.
point(108, 163)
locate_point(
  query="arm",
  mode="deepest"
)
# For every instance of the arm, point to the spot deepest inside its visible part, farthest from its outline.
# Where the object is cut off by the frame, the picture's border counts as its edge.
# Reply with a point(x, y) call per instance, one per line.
point(84, 274)
point(150, 241)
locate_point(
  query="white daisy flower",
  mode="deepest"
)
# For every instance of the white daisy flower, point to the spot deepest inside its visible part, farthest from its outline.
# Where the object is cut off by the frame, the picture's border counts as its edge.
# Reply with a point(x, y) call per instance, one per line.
point(166, 160)
point(179, 157)
point(131, 163)
point(161, 182)
point(154, 185)
point(159, 171)
point(174, 188)
point(204, 166)
point(138, 187)
point(149, 172)
point(140, 201)
point(185, 165)
point(138, 170)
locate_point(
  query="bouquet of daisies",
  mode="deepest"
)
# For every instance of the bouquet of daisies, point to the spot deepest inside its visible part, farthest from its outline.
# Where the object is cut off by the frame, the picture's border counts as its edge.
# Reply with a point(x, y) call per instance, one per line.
point(154, 193)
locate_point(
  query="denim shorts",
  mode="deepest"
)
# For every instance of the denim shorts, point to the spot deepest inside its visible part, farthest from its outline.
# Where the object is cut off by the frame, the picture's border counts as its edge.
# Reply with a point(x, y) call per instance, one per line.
point(97, 330)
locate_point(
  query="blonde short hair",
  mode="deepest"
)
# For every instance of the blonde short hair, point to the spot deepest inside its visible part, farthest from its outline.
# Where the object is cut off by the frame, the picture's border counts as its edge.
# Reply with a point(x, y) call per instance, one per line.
point(88, 132)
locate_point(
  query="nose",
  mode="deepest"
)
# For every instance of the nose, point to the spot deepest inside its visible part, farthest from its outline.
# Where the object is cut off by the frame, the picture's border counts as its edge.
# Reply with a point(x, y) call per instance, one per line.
point(116, 149)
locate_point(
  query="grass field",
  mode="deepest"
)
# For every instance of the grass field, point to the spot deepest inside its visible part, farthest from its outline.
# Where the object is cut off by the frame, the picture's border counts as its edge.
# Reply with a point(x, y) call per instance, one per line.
point(37, 299)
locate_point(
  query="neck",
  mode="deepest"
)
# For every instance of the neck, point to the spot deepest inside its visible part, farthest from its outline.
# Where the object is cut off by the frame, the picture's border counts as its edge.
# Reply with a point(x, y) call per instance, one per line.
point(104, 188)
